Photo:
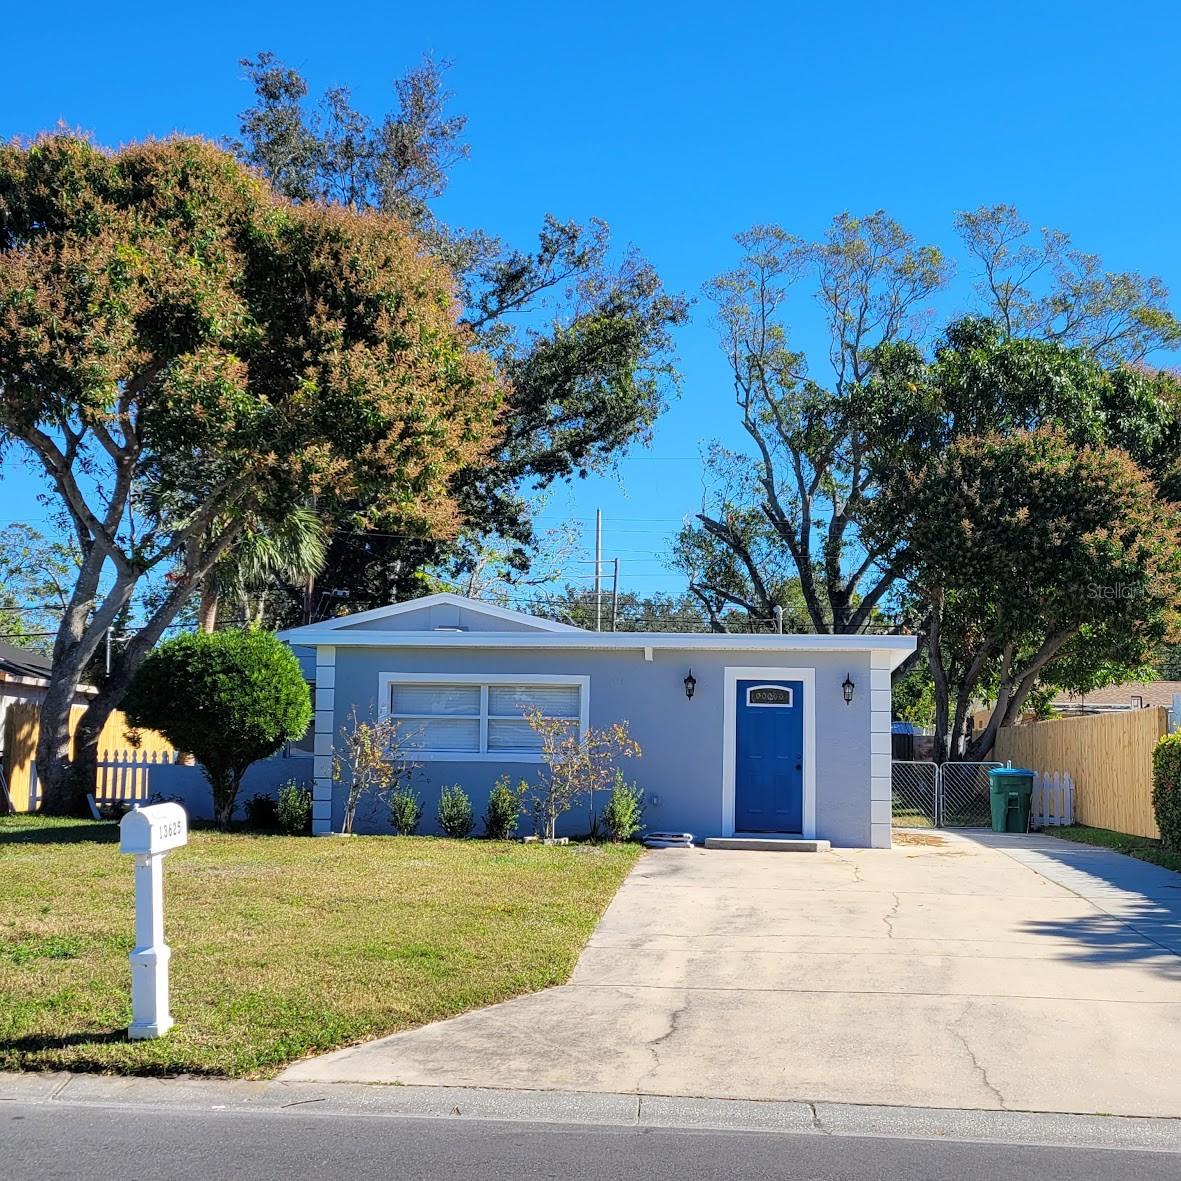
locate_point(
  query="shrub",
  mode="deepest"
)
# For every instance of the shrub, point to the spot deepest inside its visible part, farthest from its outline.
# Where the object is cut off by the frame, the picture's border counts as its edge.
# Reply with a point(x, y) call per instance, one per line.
point(504, 809)
point(625, 809)
point(229, 698)
point(295, 808)
point(1166, 790)
point(455, 815)
point(261, 811)
point(370, 757)
point(405, 810)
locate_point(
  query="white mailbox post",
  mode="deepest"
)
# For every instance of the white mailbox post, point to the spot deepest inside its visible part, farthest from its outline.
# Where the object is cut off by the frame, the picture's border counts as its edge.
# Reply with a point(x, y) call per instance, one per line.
point(149, 833)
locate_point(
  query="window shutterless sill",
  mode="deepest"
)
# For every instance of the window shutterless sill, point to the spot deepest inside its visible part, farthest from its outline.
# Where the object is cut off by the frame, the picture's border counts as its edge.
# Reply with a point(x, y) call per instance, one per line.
point(467, 756)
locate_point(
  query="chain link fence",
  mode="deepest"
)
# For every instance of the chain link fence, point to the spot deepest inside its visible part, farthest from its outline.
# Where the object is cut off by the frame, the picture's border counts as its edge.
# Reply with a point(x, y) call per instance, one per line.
point(954, 795)
point(963, 796)
point(915, 793)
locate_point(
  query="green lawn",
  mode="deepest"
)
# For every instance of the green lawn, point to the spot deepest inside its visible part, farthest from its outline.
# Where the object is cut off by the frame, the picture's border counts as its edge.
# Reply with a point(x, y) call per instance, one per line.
point(1144, 848)
point(281, 946)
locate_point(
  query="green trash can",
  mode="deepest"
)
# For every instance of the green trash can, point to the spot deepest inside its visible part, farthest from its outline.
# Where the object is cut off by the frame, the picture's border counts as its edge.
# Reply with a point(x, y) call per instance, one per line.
point(1011, 793)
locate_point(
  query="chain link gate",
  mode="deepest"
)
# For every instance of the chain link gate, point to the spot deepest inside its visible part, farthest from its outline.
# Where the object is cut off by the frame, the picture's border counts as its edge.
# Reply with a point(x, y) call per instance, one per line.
point(927, 795)
point(915, 793)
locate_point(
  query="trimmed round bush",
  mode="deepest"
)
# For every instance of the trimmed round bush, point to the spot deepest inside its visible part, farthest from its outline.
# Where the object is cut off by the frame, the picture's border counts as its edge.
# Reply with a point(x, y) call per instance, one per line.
point(228, 698)
point(623, 815)
point(503, 813)
point(455, 817)
point(405, 811)
point(295, 808)
point(1166, 790)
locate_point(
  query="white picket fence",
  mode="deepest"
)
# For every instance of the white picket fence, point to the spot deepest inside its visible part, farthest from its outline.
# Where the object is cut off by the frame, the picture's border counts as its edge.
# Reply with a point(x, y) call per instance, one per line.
point(1053, 799)
point(124, 776)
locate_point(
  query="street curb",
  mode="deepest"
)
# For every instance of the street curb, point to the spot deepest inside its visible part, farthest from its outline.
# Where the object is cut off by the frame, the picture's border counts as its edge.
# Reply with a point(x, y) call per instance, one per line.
point(665, 1112)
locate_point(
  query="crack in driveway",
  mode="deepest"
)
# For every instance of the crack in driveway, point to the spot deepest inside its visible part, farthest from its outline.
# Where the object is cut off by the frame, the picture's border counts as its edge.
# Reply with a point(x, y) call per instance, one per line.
point(977, 1065)
point(858, 877)
point(654, 1046)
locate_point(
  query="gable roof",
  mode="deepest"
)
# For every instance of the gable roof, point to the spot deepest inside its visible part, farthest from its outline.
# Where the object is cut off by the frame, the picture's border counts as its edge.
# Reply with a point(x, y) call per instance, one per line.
point(545, 633)
point(441, 599)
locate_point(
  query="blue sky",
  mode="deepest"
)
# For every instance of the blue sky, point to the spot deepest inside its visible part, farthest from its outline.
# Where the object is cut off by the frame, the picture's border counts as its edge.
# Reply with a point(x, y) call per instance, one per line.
point(681, 124)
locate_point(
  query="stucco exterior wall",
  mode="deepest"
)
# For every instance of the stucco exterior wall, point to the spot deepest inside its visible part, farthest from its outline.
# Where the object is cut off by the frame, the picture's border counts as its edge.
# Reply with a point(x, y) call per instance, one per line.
point(188, 785)
point(681, 769)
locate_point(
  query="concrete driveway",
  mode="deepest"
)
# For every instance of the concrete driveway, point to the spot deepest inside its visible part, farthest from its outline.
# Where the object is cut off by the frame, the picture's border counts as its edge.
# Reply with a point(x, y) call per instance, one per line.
point(977, 971)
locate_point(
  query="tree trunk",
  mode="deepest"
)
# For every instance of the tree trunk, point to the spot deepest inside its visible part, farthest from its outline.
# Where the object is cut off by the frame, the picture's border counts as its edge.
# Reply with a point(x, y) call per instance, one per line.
point(225, 786)
point(82, 629)
point(59, 791)
point(210, 600)
point(983, 742)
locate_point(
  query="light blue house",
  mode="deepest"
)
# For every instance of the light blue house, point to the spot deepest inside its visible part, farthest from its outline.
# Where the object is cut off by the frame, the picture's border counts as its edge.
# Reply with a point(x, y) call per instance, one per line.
point(780, 734)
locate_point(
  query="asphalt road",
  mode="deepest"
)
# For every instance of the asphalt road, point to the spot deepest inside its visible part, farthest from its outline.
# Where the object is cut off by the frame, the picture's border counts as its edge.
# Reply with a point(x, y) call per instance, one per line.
point(49, 1141)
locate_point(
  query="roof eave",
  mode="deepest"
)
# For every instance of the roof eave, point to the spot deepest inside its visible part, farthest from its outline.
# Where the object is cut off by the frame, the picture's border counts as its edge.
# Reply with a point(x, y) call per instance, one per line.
point(899, 646)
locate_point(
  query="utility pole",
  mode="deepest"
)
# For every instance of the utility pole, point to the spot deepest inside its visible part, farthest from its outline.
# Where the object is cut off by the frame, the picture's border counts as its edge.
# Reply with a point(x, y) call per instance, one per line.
point(598, 569)
point(309, 591)
point(615, 598)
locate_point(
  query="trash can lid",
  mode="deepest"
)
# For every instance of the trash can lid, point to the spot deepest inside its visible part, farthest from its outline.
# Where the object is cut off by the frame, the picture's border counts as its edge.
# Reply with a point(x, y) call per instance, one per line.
point(1010, 771)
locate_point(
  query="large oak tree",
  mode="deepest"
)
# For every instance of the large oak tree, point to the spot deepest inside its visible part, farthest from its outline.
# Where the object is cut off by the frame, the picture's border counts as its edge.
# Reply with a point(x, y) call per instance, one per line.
point(185, 354)
point(581, 332)
point(1028, 554)
point(793, 503)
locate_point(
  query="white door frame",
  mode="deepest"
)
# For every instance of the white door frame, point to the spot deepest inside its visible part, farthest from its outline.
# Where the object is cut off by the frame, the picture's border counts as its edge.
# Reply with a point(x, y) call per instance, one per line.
point(736, 673)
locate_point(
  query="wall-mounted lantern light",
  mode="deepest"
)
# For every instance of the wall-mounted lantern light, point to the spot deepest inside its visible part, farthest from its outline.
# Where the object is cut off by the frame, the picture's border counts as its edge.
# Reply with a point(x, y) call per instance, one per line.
point(847, 689)
point(690, 685)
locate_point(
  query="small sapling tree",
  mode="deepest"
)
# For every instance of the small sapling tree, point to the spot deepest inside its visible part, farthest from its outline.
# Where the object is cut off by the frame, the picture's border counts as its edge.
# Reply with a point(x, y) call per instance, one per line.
point(372, 758)
point(574, 765)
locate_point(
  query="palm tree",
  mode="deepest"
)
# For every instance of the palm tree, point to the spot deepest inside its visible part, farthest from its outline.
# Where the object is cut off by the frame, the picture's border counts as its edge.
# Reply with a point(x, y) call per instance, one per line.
point(290, 552)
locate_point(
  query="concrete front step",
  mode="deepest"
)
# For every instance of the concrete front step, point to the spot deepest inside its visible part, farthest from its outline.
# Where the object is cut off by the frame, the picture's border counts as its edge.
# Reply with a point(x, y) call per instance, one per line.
point(766, 844)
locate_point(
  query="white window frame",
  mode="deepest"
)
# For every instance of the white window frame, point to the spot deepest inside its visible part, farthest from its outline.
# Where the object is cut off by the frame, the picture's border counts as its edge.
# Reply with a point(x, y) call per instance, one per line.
point(385, 682)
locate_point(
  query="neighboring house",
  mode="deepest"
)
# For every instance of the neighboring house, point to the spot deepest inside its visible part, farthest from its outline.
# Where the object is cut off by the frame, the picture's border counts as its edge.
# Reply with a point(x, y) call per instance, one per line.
point(1113, 698)
point(127, 773)
point(740, 733)
point(24, 677)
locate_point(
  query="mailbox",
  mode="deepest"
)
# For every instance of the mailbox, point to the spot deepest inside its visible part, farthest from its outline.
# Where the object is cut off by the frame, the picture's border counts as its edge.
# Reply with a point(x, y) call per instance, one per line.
point(154, 829)
point(149, 833)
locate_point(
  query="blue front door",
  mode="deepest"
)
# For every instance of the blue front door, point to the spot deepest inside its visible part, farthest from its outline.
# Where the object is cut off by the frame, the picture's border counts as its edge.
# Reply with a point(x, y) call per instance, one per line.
point(769, 757)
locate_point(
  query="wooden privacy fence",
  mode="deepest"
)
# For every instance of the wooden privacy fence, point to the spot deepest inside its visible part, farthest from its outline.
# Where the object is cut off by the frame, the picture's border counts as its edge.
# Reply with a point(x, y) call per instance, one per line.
point(1108, 758)
point(124, 770)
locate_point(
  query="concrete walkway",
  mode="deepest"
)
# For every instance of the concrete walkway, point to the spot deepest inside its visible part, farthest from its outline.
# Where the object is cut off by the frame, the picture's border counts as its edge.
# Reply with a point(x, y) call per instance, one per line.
point(976, 972)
